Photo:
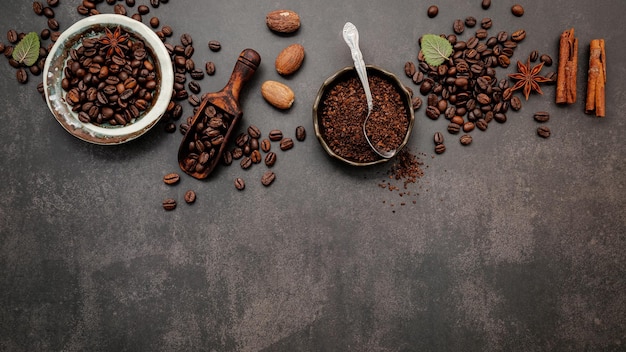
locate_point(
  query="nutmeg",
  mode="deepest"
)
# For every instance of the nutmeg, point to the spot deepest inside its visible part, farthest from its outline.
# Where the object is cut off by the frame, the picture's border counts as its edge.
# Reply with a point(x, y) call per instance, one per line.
point(289, 59)
point(283, 21)
point(277, 94)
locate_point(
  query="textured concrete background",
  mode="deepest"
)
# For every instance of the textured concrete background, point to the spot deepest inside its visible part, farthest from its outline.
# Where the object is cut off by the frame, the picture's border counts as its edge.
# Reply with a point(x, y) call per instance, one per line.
point(514, 243)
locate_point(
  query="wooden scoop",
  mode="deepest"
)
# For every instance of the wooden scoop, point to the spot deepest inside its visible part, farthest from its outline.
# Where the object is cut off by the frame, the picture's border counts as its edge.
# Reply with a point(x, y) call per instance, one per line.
point(216, 118)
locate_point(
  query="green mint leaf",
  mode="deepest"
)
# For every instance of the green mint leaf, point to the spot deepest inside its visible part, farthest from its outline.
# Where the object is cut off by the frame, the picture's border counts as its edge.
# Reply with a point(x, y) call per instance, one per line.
point(27, 50)
point(436, 49)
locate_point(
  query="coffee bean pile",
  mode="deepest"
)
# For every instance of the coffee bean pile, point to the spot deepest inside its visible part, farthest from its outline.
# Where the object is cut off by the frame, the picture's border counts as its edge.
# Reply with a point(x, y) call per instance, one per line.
point(465, 89)
point(169, 204)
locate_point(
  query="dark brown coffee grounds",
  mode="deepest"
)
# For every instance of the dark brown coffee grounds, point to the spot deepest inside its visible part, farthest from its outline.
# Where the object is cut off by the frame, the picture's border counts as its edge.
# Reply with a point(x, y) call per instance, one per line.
point(344, 108)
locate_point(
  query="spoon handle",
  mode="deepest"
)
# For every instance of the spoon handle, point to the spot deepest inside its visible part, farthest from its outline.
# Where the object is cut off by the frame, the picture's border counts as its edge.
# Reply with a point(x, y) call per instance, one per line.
point(351, 36)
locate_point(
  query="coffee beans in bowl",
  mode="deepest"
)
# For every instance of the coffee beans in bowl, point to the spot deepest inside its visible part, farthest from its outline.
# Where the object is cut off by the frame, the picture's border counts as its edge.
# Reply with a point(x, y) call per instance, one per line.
point(108, 79)
point(340, 109)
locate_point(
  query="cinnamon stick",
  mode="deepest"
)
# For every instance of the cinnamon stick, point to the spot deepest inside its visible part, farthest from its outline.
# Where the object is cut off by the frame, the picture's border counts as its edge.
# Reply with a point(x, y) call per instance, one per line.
point(596, 78)
point(568, 63)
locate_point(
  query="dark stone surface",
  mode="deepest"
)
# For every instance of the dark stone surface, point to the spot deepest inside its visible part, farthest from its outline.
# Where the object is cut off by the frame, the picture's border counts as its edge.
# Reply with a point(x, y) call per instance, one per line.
point(514, 243)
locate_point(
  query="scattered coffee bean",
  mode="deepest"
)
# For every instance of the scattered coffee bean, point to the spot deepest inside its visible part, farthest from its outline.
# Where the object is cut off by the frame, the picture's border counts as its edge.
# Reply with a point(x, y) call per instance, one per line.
point(518, 36)
point(155, 3)
point(440, 148)
point(432, 11)
point(416, 102)
point(466, 139)
point(246, 162)
point(210, 68)
point(255, 157)
point(190, 197)
point(458, 26)
point(186, 39)
point(167, 31)
point(130, 3)
point(546, 59)
point(169, 204)
point(48, 12)
point(486, 4)
point(53, 24)
point(266, 145)
point(470, 21)
point(438, 138)
point(171, 178)
point(240, 184)
point(154, 22)
point(454, 128)
point(38, 8)
point(543, 131)
point(143, 9)
point(286, 144)
point(22, 76)
point(53, 3)
point(541, 116)
point(468, 126)
point(254, 131)
point(486, 23)
point(481, 124)
point(517, 10)
point(275, 135)
point(215, 45)
point(268, 178)
point(12, 36)
point(270, 159)
point(300, 133)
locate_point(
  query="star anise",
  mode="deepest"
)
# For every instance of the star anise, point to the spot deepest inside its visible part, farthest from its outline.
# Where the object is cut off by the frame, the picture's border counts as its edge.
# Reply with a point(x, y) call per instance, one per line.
point(114, 41)
point(528, 78)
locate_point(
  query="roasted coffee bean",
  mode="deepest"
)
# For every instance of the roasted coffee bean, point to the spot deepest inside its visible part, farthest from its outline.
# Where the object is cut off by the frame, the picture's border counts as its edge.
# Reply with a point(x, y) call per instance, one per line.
point(458, 26)
point(227, 157)
point(465, 139)
point(300, 133)
point(432, 112)
point(52, 3)
point(12, 36)
point(48, 12)
point(237, 153)
point(239, 183)
point(440, 148)
point(171, 178)
point(409, 69)
point(486, 23)
point(210, 68)
point(543, 131)
point(486, 4)
point(546, 59)
point(481, 33)
point(186, 39)
point(534, 56)
point(45, 34)
point(194, 87)
point(130, 3)
point(518, 35)
point(416, 102)
point(468, 126)
point(266, 145)
point(432, 11)
point(499, 117)
point(438, 138)
point(254, 131)
point(255, 156)
point(119, 9)
point(143, 10)
point(215, 45)
point(190, 197)
point(154, 22)
point(470, 21)
point(541, 116)
point(286, 144)
point(275, 135)
point(22, 76)
point(270, 159)
point(38, 8)
point(169, 204)
point(516, 103)
point(170, 127)
point(454, 128)
point(268, 178)
point(551, 76)
point(246, 162)
point(137, 17)
point(481, 124)
point(167, 31)
point(155, 3)
point(194, 100)
point(517, 10)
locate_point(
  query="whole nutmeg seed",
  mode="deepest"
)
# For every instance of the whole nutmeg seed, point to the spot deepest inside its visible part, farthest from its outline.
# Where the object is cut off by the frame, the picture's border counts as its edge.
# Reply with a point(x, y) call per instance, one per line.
point(277, 94)
point(283, 21)
point(289, 59)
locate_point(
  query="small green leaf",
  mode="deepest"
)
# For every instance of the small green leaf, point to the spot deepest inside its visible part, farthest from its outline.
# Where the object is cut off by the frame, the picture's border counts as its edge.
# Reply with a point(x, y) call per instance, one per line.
point(27, 50)
point(436, 49)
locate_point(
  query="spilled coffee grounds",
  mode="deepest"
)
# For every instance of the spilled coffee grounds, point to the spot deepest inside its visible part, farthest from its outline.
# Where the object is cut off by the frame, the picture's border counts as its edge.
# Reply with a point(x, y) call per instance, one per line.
point(344, 109)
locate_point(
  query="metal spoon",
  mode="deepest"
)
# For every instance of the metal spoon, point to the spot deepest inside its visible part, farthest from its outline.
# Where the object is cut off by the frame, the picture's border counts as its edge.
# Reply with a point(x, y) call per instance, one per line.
point(351, 36)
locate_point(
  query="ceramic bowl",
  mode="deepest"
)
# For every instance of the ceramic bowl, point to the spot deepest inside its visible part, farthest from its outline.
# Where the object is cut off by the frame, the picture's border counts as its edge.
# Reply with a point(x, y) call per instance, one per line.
point(342, 75)
point(54, 74)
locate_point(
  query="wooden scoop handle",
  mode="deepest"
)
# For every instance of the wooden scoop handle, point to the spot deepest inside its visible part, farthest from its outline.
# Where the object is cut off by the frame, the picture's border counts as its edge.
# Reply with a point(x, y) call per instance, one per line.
point(228, 98)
